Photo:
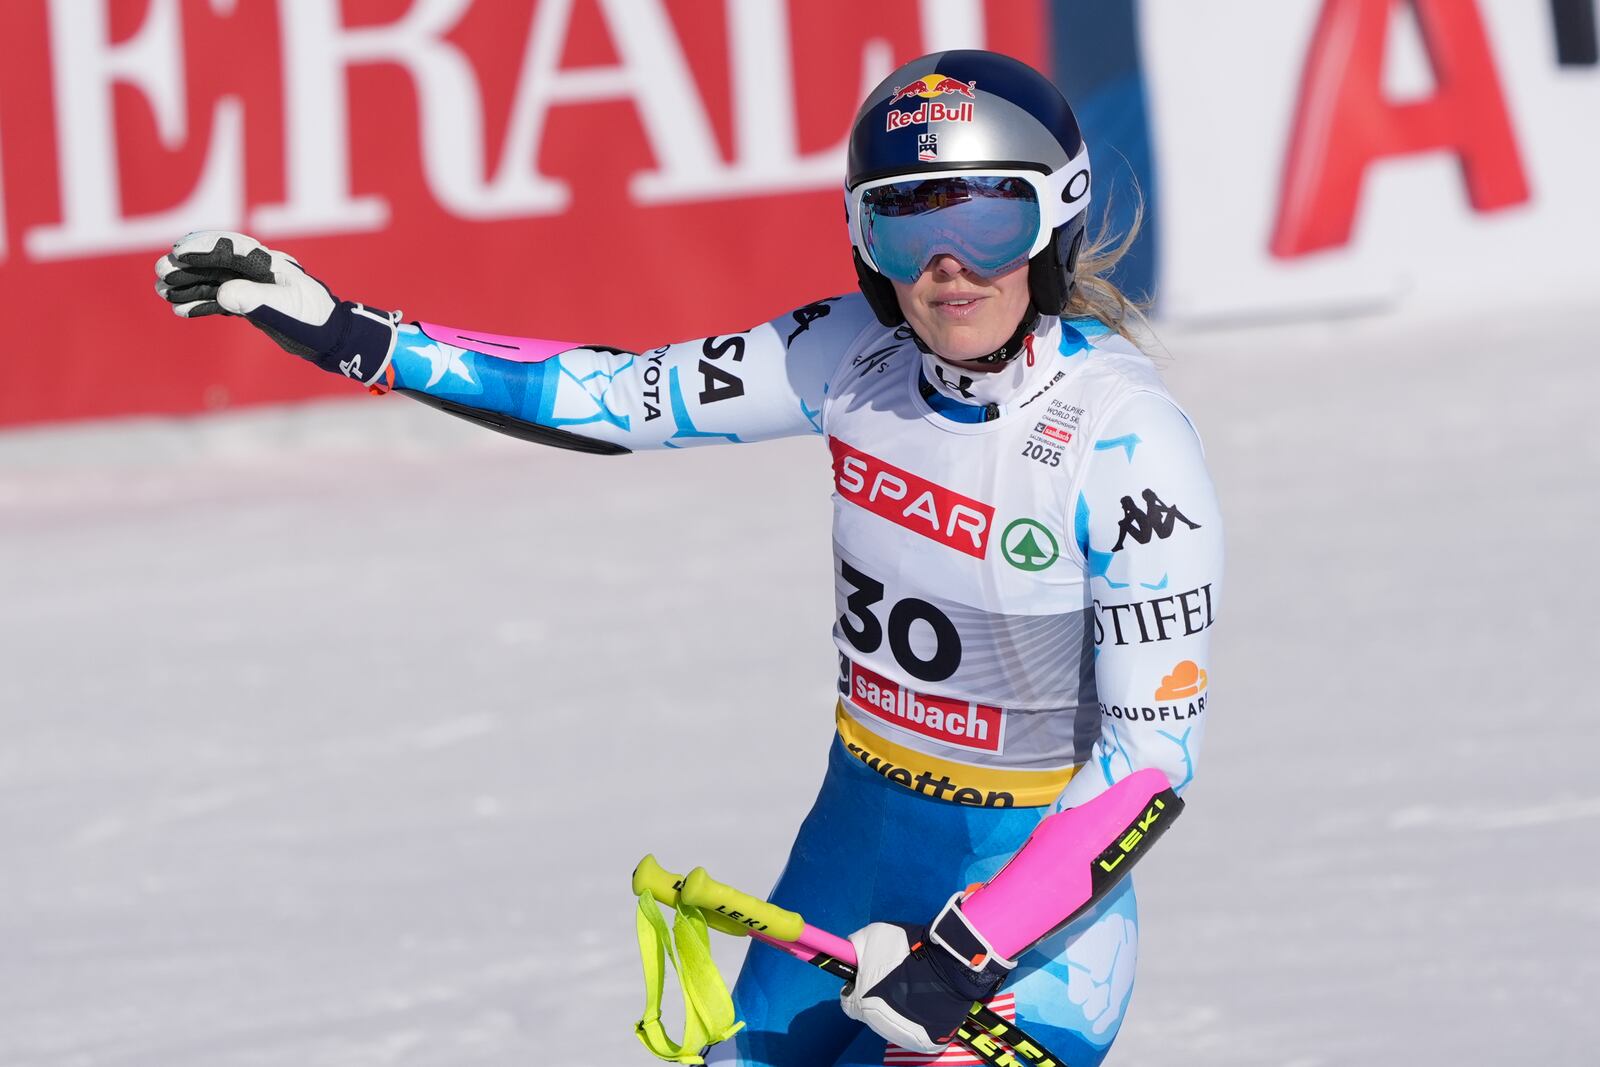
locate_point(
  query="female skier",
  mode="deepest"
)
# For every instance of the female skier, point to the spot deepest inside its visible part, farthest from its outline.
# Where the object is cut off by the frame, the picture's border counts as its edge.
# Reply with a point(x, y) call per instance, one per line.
point(1027, 546)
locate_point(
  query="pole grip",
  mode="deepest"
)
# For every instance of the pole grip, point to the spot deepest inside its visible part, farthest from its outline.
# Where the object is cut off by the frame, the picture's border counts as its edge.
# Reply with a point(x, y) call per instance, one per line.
point(665, 887)
point(662, 883)
point(705, 892)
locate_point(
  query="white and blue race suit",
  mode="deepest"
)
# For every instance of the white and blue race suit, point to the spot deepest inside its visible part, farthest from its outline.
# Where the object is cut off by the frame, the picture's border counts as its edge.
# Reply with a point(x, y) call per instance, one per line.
point(1027, 565)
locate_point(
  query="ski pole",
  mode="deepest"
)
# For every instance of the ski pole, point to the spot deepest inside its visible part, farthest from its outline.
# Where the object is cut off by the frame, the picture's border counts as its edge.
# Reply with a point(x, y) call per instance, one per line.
point(735, 912)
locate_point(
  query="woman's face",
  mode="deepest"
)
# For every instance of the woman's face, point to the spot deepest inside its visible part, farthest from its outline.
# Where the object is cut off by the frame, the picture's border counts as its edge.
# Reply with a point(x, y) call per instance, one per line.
point(959, 315)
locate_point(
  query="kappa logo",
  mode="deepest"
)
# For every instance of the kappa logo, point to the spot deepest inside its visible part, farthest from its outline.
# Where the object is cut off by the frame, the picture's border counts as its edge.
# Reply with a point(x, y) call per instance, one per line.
point(911, 501)
point(1157, 519)
point(1029, 545)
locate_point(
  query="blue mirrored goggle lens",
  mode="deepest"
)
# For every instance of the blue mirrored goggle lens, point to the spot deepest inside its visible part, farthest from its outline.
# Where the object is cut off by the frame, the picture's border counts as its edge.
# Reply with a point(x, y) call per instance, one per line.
point(988, 223)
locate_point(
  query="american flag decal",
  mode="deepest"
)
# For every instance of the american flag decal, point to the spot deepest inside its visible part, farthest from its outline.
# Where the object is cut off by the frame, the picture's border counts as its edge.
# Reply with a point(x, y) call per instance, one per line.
point(956, 1055)
point(927, 146)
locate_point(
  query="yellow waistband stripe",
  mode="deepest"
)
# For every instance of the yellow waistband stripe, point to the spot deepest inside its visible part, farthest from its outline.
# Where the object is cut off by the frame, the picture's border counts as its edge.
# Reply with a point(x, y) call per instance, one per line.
point(942, 779)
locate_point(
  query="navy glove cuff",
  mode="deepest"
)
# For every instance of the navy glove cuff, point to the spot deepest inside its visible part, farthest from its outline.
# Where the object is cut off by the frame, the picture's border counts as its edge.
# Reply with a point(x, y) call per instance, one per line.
point(367, 344)
point(356, 342)
point(961, 957)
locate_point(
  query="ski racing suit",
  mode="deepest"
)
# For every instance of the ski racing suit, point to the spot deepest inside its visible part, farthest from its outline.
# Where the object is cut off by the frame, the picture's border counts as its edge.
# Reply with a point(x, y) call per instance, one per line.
point(1027, 564)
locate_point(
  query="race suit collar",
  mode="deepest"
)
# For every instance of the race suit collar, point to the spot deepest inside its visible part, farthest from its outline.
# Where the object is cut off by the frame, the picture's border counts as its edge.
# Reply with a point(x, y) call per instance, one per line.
point(985, 395)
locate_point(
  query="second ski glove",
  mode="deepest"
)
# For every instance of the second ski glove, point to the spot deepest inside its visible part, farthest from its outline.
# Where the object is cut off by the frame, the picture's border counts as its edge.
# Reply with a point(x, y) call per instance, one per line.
point(214, 272)
point(914, 984)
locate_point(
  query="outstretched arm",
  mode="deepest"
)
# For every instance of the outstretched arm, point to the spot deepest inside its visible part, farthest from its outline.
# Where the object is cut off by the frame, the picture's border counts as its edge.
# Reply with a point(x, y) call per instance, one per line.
point(740, 387)
point(762, 383)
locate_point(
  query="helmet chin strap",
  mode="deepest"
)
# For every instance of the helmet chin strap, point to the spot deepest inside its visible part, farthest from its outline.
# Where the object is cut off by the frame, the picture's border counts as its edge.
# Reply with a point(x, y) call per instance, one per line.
point(1007, 352)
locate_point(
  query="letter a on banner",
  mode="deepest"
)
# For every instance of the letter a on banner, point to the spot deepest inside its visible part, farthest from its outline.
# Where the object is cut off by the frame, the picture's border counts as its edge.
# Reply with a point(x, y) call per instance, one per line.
point(1343, 122)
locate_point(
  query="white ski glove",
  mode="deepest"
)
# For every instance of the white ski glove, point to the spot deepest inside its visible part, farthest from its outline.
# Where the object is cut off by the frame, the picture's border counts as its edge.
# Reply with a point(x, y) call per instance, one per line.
point(914, 984)
point(214, 272)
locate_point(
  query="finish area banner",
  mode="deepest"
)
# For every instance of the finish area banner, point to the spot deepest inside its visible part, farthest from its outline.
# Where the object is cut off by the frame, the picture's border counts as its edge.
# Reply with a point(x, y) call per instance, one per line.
point(627, 172)
point(634, 172)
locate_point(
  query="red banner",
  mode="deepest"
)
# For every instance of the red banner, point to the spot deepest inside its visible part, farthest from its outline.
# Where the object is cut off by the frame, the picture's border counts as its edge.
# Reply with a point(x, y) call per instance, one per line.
point(623, 171)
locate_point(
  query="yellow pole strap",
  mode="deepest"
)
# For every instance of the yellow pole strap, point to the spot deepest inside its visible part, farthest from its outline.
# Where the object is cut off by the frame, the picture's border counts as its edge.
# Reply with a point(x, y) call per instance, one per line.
point(707, 1006)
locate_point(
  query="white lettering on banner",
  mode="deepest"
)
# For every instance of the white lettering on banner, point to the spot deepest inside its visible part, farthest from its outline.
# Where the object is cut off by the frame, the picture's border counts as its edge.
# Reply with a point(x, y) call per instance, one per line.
point(317, 51)
point(766, 151)
point(766, 154)
point(84, 66)
point(652, 72)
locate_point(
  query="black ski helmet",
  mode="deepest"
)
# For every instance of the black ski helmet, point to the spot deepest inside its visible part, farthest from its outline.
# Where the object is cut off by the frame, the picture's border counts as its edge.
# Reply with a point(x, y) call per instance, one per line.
point(1015, 119)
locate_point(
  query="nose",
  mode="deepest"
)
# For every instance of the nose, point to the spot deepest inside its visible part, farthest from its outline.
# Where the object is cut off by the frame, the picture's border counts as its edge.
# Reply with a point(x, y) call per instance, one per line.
point(944, 267)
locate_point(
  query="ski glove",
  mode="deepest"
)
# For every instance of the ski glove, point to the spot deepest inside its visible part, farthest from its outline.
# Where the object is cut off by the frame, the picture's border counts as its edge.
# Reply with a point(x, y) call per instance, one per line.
point(915, 984)
point(213, 272)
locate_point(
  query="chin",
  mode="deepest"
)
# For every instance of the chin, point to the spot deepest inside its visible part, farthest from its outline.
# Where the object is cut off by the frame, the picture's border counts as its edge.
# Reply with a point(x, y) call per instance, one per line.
point(962, 345)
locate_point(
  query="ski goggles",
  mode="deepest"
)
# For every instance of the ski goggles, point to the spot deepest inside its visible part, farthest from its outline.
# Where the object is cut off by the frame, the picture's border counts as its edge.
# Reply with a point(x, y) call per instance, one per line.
point(991, 221)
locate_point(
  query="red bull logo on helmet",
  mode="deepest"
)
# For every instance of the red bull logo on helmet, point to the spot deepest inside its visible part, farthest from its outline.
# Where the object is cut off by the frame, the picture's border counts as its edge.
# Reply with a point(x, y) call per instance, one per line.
point(933, 109)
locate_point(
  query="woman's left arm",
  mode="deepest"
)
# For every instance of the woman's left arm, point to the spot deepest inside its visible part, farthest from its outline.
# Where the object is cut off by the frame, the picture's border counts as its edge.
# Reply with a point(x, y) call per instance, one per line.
point(1149, 526)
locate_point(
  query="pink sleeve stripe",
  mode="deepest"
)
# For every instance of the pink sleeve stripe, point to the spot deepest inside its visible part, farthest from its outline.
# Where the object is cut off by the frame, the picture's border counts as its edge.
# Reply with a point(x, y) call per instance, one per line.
point(516, 349)
point(1049, 877)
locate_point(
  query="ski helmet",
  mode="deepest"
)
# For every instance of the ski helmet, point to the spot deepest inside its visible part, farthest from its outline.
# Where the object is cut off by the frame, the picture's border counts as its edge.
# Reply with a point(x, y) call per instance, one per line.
point(988, 138)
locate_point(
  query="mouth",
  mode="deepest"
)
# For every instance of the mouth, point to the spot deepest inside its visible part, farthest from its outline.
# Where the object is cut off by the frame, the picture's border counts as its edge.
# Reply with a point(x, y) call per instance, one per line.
point(957, 305)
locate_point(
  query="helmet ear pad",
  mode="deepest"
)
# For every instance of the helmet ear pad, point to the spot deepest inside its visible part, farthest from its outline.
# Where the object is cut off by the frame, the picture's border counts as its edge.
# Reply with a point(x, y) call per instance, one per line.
point(879, 292)
point(1050, 272)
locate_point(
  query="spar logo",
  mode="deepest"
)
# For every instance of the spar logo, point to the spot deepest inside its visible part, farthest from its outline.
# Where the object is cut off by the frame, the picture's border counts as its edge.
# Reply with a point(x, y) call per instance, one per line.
point(911, 501)
point(1028, 545)
point(932, 109)
point(955, 722)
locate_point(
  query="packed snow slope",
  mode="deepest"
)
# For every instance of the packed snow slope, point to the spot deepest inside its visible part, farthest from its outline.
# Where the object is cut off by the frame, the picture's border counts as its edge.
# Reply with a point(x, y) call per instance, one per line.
point(331, 735)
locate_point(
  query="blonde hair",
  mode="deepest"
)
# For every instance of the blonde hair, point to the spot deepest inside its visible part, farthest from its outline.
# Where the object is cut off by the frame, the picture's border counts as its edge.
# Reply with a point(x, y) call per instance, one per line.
point(1096, 296)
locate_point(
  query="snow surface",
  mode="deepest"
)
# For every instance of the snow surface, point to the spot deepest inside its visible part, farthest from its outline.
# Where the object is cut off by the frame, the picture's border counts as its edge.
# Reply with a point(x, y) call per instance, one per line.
point(330, 735)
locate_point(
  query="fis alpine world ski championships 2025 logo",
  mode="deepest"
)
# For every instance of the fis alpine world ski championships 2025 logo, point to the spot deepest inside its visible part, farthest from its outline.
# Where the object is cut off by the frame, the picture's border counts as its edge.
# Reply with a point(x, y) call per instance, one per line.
point(931, 89)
